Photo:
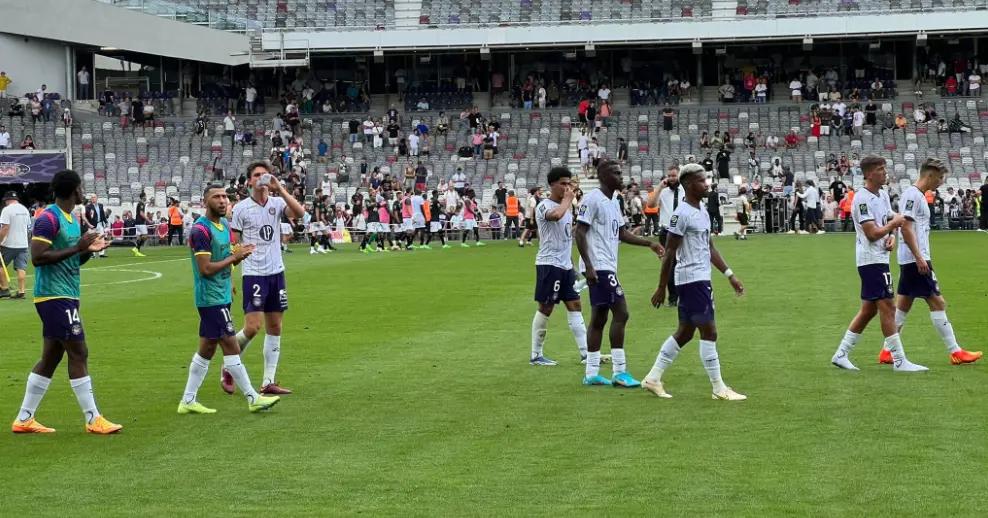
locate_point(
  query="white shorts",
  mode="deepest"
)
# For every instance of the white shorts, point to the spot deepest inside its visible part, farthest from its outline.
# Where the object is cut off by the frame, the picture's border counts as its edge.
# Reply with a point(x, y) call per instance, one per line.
point(435, 226)
point(377, 227)
point(315, 228)
point(469, 224)
point(141, 230)
point(286, 229)
point(418, 221)
point(406, 224)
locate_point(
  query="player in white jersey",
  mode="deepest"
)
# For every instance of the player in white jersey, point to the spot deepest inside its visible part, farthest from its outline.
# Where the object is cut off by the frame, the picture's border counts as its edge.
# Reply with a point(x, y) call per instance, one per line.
point(554, 273)
point(419, 224)
point(690, 251)
point(256, 221)
point(874, 225)
point(600, 227)
point(916, 276)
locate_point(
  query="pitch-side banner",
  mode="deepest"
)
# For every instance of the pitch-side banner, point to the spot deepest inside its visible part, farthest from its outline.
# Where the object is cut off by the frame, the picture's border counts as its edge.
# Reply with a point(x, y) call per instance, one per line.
point(37, 167)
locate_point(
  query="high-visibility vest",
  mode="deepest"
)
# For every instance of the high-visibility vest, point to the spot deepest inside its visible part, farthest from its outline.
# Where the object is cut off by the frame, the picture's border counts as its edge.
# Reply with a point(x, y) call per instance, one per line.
point(512, 208)
point(650, 210)
point(427, 211)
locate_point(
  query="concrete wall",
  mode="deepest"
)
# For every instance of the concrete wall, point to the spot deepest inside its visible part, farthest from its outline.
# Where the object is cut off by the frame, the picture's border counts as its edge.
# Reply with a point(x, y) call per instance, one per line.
point(29, 62)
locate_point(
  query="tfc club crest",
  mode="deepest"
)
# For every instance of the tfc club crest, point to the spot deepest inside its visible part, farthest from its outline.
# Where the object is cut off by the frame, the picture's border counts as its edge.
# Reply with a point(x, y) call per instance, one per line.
point(620, 291)
point(229, 327)
point(76, 329)
point(257, 301)
point(271, 211)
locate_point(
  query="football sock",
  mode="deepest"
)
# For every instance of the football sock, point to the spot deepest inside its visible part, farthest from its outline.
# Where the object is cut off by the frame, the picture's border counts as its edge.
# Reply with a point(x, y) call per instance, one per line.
point(272, 351)
point(894, 345)
point(579, 329)
point(900, 319)
point(618, 362)
point(593, 364)
point(945, 329)
point(539, 324)
point(37, 385)
point(83, 388)
point(242, 340)
point(667, 355)
point(312, 240)
point(236, 369)
point(197, 373)
point(848, 342)
point(476, 234)
point(711, 362)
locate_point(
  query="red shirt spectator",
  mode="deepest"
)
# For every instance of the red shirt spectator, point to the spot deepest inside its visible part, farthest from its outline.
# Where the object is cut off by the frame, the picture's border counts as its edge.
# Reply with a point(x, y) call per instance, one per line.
point(583, 106)
point(951, 85)
point(792, 140)
point(116, 229)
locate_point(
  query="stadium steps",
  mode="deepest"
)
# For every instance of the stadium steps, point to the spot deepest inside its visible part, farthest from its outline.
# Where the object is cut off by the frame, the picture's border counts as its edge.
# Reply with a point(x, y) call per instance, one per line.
point(408, 13)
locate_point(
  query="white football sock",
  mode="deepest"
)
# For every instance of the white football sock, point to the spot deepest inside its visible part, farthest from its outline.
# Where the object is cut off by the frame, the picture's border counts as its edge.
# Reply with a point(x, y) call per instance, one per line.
point(900, 319)
point(236, 369)
point(848, 342)
point(272, 351)
point(667, 355)
point(37, 385)
point(579, 329)
point(539, 324)
point(945, 329)
point(711, 362)
point(83, 388)
point(593, 364)
point(894, 345)
point(618, 362)
point(242, 340)
point(197, 372)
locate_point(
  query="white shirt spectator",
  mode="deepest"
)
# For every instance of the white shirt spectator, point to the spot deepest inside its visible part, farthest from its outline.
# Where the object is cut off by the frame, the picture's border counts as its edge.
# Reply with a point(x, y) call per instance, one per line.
point(18, 219)
point(250, 94)
point(858, 118)
point(83, 77)
point(459, 180)
point(4, 139)
point(919, 115)
point(761, 90)
point(840, 108)
point(974, 82)
point(796, 87)
point(413, 141)
point(667, 204)
point(604, 93)
point(228, 123)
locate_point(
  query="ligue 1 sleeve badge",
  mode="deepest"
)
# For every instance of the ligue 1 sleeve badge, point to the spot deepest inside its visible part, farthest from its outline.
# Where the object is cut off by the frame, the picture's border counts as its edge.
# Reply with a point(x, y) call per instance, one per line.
point(674, 220)
point(863, 209)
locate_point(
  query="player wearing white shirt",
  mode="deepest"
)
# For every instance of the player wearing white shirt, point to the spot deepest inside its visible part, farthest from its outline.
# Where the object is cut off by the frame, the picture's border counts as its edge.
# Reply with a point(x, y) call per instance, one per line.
point(15, 226)
point(916, 276)
point(694, 251)
point(418, 218)
point(534, 196)
point(600, 227)
point(255, 222)
point(875, 225)
point(554, 273)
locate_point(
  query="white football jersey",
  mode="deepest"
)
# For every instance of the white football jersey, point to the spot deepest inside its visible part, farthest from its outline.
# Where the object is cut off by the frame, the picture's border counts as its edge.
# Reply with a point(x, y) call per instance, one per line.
point(258, 225)
point(555, 237)
point(914, 208)
point(604, 216)
point(869, 206)
point(693, 255)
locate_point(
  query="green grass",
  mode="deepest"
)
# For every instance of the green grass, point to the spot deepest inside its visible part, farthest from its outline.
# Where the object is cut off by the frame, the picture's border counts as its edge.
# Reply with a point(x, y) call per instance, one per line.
point(414, 397)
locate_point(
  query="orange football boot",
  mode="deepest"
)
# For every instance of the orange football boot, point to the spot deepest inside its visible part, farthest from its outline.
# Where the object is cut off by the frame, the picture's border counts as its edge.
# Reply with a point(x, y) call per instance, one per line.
point(962, 356)
point(885, 357)
point(101, 426)
point(30, 426)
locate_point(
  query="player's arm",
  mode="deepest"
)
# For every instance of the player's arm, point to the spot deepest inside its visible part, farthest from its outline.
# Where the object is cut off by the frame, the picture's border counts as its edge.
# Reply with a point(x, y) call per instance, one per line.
point(673, 242)
point(721, 265)
point(208, 268)
point(874, 232)
point(4, 230)
point(653, 197)
point(294, 209)
point(580, 236)
point(908, 230)
point(42, 253)
point(626, 236)
point(559, 212)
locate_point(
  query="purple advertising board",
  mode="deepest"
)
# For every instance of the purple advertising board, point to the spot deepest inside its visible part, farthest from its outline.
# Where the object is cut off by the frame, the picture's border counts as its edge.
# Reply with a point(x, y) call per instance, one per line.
point(30, 167)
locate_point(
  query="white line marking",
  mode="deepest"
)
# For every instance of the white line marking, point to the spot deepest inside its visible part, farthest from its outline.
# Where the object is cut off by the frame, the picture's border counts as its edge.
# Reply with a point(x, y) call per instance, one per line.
point(152, 276)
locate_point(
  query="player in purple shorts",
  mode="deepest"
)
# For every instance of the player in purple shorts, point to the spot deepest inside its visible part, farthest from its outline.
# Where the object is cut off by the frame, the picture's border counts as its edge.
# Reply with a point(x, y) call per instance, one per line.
point(257, 221)
point(692, 251)
point(600, 228)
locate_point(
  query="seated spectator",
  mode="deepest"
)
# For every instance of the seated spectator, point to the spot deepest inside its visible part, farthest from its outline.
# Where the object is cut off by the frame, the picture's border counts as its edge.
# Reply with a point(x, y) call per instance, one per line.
point(796, 87)
point(900, 122)
point(749, 141)
point(772, 142)
point(27, 143)
point(958, 126)
point(950, 86)
point(248, 139)
point(877, 89)
point(422, 104)
point(442, 124)
point(919, 115)
point(16, 110)
point(322, 149)
point(792, 140)
point(726, 92)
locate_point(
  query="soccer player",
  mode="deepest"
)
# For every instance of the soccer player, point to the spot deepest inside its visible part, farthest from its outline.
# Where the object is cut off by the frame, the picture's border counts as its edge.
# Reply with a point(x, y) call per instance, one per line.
point(437, 224)
point(916, 276)
point(212, 262)
point(140, 226)
point(418, 219)
point(265, 296)
point(58, 249)
point(554, 274)
point(874, 226)
point(690, 242)
point(600, 227)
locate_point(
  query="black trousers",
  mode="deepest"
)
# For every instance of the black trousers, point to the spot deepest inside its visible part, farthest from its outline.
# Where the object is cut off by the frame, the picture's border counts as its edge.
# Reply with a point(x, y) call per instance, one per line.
point(717, 221)
point(673, 294)
point(508, 223)
point(652, 225)
point(175, 230)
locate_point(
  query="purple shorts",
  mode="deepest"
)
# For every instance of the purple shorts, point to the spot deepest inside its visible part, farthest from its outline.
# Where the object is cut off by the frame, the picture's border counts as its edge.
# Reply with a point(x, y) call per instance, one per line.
point(265, 293)
point(916, 285)
point(607, 291)
point(554, 285)
point(696, 303)
point(60, 320)
point(876, 282)
point(215, 322)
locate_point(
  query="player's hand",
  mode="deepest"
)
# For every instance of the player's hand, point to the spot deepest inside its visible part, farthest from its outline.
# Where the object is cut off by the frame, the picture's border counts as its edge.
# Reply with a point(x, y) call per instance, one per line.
point(591, 277)
point(568, 194)
point(737, 285)
point(275, 185)
point(99, 244)
point(922, 266)
point(659, 297)
point(86, 242)
point(243, 252)
point(897, 220)
point(889, 243)
point(657, 248)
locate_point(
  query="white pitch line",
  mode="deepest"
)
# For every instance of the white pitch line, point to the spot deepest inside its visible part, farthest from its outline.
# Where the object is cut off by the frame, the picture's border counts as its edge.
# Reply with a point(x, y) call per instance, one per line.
point(153, 276)
point(109, 267)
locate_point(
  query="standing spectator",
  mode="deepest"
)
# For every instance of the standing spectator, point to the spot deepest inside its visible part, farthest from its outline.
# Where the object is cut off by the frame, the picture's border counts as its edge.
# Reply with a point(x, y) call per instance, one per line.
point(726, 92)
point(542, 96)
point(500, 196)
point(97, 218)
point(830, 212)
point(4, 137)
point(175, 222)
point(667, 118)
point(478, 143)
point(796, 87)
point(761, 91)
point(974, 83)
point(393, 130)
point(229, 126)
point(713, 210)
point(14, 223)
point(4, 83)
point(83, 77)
point(622, 154)
point(877, 89)
point(812, 205)
point(604, 93)
point(459, 181)
point(858, 119)
point(984, 204)
point(67, 117)
point(723, 163)
point(250, 98)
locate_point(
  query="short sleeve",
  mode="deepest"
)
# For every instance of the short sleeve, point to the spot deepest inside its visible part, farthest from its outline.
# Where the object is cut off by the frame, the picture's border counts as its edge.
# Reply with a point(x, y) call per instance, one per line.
point(678, 224)
point(588, 210)
point(909, 206)
point(864, 211)
point(45, 228)
point(200, 240)
point(237, 218)
point(281, 206)
point(5, 217)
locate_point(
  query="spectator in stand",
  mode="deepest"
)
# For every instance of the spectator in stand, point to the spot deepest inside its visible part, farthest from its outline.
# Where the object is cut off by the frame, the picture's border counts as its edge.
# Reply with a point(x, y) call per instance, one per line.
point(393, 131)
point(581, 110)
point(723, 163)
point(857, 117)
point(367, 128)
point(974, 83)
point(830, 212)
point(900, 122)
point(541, 96)
point(478, 143)
point(726, 92)
point(27, 143)
point(796, 87)
point(950, 86)
point(815, 127)
point(704, 140)
point(83, 78)
point(4, 137)
point(668, 116)
point(877, 89)
point(5, 81)
point(250, 98)
point(749, 141)
point(772, 142)
point(35, 110)
point(717, 142)
point(748, 86)
point(761, 91)
point(591, 116)
point(116, 228)
point(622, 155)
point(442, 124)
point(604, 93)
point(792, 139)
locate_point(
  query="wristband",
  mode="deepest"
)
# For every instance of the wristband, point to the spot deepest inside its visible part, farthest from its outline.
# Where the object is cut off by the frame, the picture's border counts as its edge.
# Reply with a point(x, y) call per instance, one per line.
point(728, 273)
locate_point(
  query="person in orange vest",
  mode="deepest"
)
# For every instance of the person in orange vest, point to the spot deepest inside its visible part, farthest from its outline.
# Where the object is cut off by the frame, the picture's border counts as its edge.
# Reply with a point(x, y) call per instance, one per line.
point(511, 216)
point(175, 222)
point(651, 220)
point(845, 209)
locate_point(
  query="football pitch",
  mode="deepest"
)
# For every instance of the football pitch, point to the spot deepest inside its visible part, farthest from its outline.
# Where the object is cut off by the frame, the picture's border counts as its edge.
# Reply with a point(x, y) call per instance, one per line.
point(414, 396)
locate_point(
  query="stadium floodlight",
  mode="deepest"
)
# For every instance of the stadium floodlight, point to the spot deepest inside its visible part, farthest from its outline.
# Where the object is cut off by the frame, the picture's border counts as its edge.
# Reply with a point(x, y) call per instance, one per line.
point(807, 43)
point(921, 39)
point(697, 47)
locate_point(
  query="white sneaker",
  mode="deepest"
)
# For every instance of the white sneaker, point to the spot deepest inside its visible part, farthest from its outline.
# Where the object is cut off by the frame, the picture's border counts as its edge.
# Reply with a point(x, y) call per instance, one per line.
point(655, 387)
point(728, 394)
point(908, 366)
point(323, 251)
point(791, 232)
point(821, 232)
point(841, 360)
point(312, 251)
